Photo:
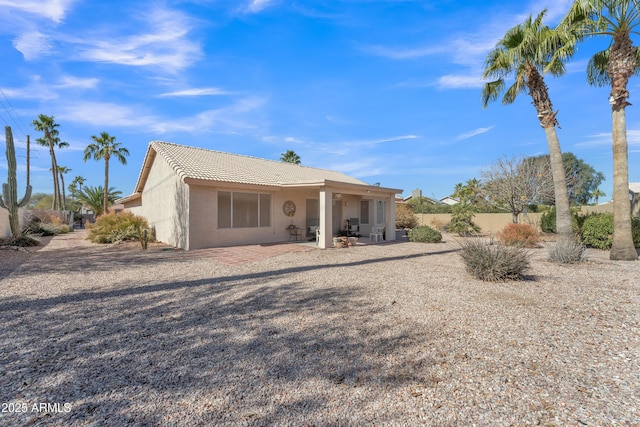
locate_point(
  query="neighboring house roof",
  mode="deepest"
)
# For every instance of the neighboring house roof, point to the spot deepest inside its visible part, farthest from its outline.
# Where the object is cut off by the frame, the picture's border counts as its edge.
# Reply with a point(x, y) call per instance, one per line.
point(426, 199)
point(216, 166)
point(449, 200)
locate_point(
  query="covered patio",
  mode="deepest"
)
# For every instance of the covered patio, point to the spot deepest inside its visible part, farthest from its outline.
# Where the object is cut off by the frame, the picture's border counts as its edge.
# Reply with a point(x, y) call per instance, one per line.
point(348, 209)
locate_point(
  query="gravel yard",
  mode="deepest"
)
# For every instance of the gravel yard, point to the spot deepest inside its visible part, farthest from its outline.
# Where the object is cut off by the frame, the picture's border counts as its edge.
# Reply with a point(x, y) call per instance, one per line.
point(385, 334)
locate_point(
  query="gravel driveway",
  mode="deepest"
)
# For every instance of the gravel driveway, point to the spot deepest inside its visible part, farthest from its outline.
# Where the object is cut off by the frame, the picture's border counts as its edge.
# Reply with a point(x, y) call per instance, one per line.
point(386, 334)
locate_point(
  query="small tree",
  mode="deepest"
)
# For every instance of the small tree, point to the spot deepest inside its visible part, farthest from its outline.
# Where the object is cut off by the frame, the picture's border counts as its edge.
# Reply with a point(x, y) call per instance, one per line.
point(516, 183)
point(462, 213)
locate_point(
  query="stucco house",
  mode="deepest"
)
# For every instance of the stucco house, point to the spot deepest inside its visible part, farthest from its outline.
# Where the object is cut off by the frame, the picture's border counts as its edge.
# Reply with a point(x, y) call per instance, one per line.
point(198, 198)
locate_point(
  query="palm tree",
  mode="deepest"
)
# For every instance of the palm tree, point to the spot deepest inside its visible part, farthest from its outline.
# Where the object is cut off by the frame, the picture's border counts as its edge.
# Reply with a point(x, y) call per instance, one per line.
point(49, 127)
point(527, 51)
point(616, 19)
point(290, 156)
point(105, 147)
point(597, 193)
point(61, 171)
point(93, 197)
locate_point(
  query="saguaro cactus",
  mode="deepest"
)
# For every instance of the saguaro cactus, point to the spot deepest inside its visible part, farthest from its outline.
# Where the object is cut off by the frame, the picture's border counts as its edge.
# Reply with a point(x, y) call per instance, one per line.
point(9, 198)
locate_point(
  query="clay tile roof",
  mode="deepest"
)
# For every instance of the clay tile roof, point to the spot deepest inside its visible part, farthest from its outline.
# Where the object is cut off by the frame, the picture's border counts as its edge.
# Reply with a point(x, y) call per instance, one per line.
point(200, 163)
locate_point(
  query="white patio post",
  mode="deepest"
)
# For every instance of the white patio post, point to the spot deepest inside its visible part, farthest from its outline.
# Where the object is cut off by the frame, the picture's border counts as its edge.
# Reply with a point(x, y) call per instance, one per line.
point(390, 214)
point(326, 215)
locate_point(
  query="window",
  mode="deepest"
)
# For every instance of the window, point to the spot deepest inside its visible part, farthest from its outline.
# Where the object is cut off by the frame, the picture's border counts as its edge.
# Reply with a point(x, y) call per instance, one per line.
point(364, 212)
point(238, 210)
point(380, 212)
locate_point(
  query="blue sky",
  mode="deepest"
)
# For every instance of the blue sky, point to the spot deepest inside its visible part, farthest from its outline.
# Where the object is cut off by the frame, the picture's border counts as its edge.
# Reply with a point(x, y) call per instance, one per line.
point(387, 91)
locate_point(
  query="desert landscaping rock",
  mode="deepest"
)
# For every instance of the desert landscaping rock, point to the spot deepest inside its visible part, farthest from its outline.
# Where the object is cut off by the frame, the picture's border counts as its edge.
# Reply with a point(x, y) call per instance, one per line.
point(384, 334)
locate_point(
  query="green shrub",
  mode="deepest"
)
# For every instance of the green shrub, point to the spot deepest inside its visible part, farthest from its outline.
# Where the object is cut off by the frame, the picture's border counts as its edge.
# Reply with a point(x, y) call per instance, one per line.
point(548, 221)
point(405, 218)
point(597, 230)
point(494, 262)
point(519, 235)
point(118, 227)
point(424, 234)
point(567, 252)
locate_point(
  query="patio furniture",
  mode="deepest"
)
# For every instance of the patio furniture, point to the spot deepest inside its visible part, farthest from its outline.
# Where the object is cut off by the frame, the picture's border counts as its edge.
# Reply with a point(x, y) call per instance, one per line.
point(313, 229)
point(353, 227)
point(294, 233)
point(376, 232)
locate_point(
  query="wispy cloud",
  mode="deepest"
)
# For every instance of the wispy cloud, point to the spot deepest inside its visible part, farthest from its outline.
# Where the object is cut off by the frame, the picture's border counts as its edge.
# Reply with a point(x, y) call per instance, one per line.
point(203, 91)
point(46, 91)
point(605, 139)
point(404, 53)
point(451, 81)
point(256, 6)
point(348, 147)
point(473, 133)
point(165, 44)
point(33, 44)
point(54, 10)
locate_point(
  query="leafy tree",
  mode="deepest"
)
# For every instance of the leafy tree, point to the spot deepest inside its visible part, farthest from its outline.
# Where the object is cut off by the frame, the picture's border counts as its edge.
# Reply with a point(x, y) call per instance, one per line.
point(290, 156)
point(581, 178)
point(103, 148)
point(93, 197)
point(616, 19)
point(40, 201)
point(526, 52)
point(48, 126)
point(516, 183)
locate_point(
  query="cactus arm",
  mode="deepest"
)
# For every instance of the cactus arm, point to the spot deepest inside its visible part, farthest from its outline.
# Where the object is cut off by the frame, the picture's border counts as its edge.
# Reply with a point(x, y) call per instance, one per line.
point(25, 199)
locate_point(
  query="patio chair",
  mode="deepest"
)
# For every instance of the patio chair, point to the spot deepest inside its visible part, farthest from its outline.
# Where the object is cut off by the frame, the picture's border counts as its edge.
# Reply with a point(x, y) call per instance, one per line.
point(354, 227)
point(376, 232)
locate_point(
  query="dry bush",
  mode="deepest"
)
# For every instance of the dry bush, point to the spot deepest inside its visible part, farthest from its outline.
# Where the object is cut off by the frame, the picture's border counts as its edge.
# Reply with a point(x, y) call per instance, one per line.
point(405, 218)
point(437, 224)
point(113, 227)
point(492, 262)
point(519, 235)
point(567, 252)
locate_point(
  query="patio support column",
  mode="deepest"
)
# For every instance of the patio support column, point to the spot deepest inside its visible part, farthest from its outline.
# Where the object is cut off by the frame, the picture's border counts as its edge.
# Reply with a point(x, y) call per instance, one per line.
point(326, 215)
point(390, 214)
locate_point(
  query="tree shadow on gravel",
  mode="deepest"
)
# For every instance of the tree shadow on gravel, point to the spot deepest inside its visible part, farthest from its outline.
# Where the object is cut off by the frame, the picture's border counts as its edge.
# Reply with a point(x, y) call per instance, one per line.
point(261, 348)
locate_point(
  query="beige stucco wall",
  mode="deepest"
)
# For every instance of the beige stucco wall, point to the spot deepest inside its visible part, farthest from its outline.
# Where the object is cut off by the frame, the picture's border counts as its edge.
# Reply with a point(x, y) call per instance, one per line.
point(165, 205)
point(494, 222)
point(5, 228)
point(204, 225)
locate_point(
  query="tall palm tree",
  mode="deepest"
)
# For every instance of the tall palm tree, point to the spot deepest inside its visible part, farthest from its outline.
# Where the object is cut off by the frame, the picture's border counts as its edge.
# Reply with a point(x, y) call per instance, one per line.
point(49, 127)
point(616, 19)
point(103, 148)
point(290, 156)
point(596, 194)
point(61, 171)
point(526, 52)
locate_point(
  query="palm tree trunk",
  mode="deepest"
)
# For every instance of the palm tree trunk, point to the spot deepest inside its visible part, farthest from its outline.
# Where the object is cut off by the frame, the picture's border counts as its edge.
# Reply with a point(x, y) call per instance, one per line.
point(64, 196)
point(623, 248)
point(56, 184)
point(564, 226)
point(106, 184)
